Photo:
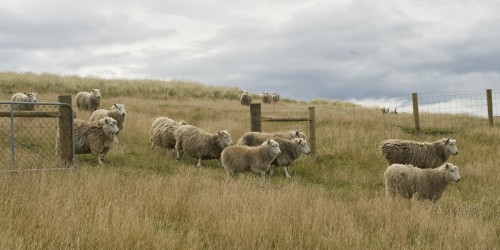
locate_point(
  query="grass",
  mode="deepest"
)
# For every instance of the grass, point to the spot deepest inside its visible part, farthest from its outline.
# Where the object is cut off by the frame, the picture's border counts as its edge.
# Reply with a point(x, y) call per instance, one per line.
point(146, 199)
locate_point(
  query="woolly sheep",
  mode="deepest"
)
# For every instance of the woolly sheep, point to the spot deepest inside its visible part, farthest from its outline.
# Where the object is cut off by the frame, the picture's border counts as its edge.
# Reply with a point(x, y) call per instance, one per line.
point(96, 137)
point(162, 132)
point(266, 97)
point(257, 138)
point(236, 159)
point(418, 154)
point(245, 98)
point(88, 101)
point(23, 97)
point(200, 144)
point(117, 112)
point(291, 150)
point(276, 97)
point(409, 181)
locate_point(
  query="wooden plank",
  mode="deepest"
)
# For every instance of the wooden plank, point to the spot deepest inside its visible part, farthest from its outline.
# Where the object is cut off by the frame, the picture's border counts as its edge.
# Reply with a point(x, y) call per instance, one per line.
point(284, 119)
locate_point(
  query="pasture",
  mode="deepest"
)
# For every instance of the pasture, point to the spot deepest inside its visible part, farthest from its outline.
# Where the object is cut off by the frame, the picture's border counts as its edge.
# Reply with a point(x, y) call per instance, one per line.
point(144, 198)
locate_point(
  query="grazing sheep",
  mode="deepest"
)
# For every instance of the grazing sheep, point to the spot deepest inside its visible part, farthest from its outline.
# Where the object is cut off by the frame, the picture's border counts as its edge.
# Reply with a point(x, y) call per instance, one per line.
point(197, 143)
point(162, 132)
point(95, 137)
point(418, 154)
point(257, 138)
point(409, 181)
point(88, 101)
point(276, 97)
point(290, 151)
point(23, 97)
point(236, 159)
point(266, 97)
point(117, 112)
point(245, 98)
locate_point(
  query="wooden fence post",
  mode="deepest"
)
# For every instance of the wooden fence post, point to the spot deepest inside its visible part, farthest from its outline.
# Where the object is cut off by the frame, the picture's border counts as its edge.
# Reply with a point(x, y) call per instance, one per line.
point(65, 150)
point(416, 117)
point(255, 117)
point(490, 106)
point(312, 129)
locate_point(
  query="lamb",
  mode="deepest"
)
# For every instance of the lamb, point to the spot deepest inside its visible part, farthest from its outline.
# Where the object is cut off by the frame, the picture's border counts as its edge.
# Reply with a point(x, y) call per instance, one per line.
point(245, 98)
point(96, 137)
point(290, 151)
point(276, 97)
point(199, 143)
point(409, 181)
point(23, 97)
point(266, 97)
point(236, 159)
point(88, 101)
point(257, 138)
point(418, 154)
point(117, 112)
point(162, 132)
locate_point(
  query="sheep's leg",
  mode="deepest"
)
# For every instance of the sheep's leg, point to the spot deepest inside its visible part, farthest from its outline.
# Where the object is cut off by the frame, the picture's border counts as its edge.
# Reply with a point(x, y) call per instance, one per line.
point(99, 159)
point(271, 170)
point(199, 162)
point(152, 142)
point(286, 172)
point(179, 153)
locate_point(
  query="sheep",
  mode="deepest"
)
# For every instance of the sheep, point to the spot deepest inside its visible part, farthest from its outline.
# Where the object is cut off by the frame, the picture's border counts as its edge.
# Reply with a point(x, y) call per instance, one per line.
point(23, 97)
point(88, 101)
point(117, 112)
point(257, 138)
point(200, 144)
point(96, 137)
point(290, 151)
point(241, 158)
point(418, 154)
point(410, 181)
point(276, 97)
point(245, 98)
point(266, 97)
point(162, 132)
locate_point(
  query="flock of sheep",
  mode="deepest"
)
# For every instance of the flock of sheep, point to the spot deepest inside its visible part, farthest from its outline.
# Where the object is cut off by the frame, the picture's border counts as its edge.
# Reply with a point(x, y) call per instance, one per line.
point(416, 169)
point(246, 98)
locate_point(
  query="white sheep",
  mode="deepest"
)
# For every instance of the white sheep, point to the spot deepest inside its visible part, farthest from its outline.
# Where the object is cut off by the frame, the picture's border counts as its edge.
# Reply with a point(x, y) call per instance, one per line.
point(257, 138)
point(95, 137)
point(88, 101)
point(276, 97)
point(200, 144)
point(245, 98)
point(117, 112)
point(266, 97)
point(418, 154)
point(409, 181)
point(290, 151)
point(162, 132)
point(23, 97)
point(236, 159)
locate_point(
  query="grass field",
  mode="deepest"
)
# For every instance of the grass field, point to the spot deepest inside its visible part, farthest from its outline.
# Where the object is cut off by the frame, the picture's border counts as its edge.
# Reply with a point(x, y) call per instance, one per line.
point(146, 199)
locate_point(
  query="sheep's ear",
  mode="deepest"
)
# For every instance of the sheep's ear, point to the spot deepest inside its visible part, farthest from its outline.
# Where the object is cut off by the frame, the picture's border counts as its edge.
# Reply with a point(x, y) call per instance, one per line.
point(106, 121)
point(297, 132)
point(116, 106)
point(447, 141)
point(447, 166)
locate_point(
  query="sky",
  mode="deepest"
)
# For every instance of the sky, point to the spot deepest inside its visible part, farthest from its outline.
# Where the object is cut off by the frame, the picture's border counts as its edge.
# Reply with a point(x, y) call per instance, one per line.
point(304, 50)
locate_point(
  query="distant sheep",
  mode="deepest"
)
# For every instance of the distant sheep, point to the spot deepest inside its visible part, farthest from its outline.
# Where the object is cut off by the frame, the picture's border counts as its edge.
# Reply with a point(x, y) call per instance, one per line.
point(266, 97)
point(95, 137)
point(291, 150)
point(236, 159)
point(257, 138)
point(276, 97)
point(88, 101)
point(245, 98)
point(162, 132)
point(409, 181)
point(200, 144)
point(117, 112)
point(418, 154)
point(23, 97)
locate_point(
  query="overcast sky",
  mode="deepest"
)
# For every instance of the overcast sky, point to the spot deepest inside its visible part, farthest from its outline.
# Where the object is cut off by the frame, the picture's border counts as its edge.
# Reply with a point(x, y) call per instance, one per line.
point(329, 49)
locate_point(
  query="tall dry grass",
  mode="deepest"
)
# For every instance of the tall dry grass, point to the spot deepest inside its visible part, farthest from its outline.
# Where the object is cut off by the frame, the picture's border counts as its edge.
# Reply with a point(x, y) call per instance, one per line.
point(144, 198)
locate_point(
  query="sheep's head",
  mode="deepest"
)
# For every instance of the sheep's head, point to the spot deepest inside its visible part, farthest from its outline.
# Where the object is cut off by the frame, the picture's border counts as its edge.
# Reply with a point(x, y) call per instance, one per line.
point(120, 108)
point(31, 97)
point(453, 171)
point(224, 138)
point(298, 134)
point(451, 146)
point(109, 127)
point(96, 93)
point(304, 148)
point(274, 147)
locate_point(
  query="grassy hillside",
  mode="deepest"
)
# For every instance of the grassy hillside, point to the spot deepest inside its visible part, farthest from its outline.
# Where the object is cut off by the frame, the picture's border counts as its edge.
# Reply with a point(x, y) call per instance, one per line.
point(144, 198)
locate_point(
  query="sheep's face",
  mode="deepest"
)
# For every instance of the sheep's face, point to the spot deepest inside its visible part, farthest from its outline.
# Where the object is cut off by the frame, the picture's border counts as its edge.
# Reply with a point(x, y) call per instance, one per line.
point(273, 146)
point(451, 146)
point(453, 171)
point(303, 146)
point(120, 108)
point(224, 138)
point(31, 97)
point(109, 126)
point(96, 93)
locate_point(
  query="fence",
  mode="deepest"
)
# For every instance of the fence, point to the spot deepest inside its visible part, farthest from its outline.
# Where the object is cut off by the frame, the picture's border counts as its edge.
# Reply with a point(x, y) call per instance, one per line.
point(28, 138)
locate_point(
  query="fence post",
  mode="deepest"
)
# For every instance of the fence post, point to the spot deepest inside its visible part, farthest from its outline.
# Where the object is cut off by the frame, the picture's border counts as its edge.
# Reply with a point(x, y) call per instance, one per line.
point(255, 114)
point(490, 106)
point(416, 117)
point(65, 148)
point(312, 129)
